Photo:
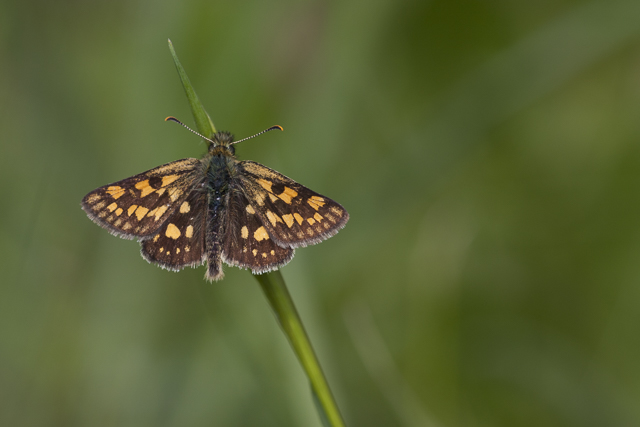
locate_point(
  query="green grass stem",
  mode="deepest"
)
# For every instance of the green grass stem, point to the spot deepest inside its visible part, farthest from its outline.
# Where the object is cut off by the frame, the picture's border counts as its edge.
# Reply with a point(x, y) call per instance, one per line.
point(285, 311)
point(275, 290)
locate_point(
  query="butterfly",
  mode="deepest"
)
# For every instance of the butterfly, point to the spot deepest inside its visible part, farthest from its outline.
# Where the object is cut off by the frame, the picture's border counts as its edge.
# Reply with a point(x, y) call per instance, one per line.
point(215, 209)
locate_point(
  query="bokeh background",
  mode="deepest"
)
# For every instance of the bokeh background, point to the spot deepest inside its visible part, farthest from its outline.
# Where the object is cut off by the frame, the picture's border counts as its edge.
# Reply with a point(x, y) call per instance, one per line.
point(487, 151)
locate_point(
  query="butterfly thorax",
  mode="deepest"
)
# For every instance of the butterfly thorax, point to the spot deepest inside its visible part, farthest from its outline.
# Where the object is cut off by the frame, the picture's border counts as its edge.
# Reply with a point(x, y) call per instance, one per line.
point(220, 170)
point(220, 166)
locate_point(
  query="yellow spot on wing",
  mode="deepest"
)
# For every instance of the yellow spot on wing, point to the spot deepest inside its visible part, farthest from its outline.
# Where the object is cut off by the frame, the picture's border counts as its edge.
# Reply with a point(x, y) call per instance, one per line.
point(177, 250)
point(143, 229)
point(288, 218)
point(132, 209)
point(244, 232)
point(189, 232)
point(174, 193)
point(273, 218)
point(298, 218)
point(273, 252)
point(316, 202)
point(185, 207)
point(336, 210)
point(250, 209)
point(318, 217)
point(158, 212)
point(145, 188)
point(92, 198)
point(288, 194)
point(272, 198)
point(155, 239)
point(119, 211)
point(260, 234)
point(311, 221)
point(172, 231)
point(265, 184)
point(168, 179)
point(112, 207)
point(141, 212)
point(255, 252)
point(115, 191)
point(187, 248)
point(259, 197)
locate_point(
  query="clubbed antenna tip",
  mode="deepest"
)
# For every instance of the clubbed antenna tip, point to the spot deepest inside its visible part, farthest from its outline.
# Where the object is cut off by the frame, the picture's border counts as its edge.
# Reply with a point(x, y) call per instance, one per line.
point(259, 133)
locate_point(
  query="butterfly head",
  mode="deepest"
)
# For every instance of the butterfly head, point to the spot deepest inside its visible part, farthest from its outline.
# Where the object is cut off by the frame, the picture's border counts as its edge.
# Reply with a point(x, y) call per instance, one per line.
point(221, 143)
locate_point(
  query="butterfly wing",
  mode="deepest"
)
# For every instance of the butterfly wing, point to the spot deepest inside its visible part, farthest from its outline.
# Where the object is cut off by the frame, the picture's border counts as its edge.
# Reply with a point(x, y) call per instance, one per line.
point(246, 242)
point(179, 242)
point(138, 206)
point(292, 214)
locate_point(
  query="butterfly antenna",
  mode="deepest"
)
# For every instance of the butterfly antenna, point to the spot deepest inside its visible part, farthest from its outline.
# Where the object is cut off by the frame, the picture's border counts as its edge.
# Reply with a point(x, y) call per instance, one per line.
point(173, 119)
point(259, 133)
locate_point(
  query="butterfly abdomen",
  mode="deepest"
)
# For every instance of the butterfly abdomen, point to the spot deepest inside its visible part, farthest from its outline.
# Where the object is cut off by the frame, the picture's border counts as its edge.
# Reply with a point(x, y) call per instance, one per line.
point(219, 175)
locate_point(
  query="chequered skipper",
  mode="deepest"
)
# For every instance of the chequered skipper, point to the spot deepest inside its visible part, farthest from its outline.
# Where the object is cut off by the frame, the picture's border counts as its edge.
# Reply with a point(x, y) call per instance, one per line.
point(215, 209)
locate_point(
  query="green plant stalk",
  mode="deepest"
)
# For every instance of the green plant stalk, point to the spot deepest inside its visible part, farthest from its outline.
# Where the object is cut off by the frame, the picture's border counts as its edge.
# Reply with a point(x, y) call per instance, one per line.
point(203, 121)
point(275, 288)
point(285, 311)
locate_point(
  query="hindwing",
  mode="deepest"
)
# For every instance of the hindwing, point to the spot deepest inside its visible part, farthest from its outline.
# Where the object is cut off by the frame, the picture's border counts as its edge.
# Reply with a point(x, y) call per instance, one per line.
point(246, 242)
point(180, 241)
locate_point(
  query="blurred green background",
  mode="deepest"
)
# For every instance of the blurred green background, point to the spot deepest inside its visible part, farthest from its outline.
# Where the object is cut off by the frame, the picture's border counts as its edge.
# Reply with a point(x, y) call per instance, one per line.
point(487, 151)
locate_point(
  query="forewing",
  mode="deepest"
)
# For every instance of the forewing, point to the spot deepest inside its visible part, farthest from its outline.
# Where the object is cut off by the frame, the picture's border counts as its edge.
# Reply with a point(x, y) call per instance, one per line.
point(139, 205)
point(292, 214)
point(246, 242)
point(180, 240)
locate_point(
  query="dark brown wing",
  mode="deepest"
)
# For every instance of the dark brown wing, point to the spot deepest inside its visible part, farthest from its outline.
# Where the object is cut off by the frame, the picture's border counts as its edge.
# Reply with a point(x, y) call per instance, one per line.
point(246, 242)
point(292, 214)
point(180, 240)
point(139, 205)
